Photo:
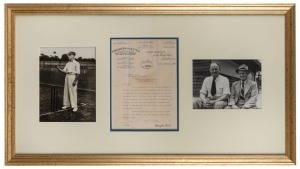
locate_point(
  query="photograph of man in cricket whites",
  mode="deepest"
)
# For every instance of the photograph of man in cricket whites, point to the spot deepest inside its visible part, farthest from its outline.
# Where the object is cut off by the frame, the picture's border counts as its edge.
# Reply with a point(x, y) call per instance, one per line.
point(67, 84)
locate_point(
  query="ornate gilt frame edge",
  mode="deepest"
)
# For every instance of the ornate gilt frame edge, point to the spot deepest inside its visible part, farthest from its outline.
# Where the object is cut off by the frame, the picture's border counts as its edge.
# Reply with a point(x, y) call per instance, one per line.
point(288, 10)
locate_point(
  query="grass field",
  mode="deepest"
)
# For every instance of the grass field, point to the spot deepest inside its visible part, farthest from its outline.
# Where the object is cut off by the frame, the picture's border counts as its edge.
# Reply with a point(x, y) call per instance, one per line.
point(86, 107)
point(86, 97)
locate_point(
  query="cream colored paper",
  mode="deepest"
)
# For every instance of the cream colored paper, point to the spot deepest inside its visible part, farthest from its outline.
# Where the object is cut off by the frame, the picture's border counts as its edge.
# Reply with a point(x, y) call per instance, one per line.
point(144, 84)
point(259, 131)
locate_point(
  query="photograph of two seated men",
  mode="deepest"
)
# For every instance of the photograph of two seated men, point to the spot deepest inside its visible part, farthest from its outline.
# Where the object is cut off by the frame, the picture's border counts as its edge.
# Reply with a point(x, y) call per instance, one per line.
point(227, 84)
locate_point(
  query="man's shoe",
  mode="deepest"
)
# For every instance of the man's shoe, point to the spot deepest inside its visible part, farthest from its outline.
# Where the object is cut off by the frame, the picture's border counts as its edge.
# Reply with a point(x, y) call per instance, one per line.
point(65, 107)
point(75, 109)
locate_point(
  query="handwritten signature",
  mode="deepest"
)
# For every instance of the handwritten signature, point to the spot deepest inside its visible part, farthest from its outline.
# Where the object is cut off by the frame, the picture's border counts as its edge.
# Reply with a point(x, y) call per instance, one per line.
point(162, 125)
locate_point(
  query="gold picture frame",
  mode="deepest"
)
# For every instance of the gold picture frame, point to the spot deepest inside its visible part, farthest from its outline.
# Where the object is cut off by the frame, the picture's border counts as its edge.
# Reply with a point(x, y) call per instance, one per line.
point(13, 10)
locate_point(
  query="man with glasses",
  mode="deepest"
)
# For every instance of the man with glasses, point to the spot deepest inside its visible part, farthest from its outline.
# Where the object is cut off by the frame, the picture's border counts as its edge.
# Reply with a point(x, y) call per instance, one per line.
point(214, 92)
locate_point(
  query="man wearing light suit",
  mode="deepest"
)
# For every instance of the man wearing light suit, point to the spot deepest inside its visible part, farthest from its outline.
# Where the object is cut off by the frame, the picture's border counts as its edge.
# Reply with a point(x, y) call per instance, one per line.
point(243, 92)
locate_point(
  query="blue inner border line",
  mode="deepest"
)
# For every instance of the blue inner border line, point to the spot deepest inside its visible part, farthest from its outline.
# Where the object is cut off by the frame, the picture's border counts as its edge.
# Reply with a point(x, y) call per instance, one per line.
point(177, 72)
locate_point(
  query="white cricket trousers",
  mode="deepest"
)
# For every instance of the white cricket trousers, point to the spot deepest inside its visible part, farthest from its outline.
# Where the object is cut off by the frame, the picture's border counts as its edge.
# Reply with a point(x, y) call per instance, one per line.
point(70, 91)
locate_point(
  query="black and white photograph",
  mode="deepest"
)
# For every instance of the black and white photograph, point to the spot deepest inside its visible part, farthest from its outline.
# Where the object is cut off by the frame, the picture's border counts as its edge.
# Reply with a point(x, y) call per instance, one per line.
point(67, 84)
point(227, 84)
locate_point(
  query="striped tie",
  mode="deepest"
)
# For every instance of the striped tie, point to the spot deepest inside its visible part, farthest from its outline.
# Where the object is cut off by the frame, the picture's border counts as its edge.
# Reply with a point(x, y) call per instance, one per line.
point(242, 90)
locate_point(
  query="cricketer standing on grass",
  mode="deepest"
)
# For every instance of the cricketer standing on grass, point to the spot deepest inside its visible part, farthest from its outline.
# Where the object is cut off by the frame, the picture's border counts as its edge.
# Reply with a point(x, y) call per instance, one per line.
point(72, 71)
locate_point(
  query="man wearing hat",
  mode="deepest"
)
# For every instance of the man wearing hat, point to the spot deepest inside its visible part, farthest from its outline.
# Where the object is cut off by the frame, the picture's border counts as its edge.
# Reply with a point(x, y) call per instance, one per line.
point(72, 71)
point(243, 92)
point(214, 92)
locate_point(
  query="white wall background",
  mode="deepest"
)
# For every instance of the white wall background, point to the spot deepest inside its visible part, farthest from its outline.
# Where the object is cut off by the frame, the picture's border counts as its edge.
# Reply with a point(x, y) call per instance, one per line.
point(116, 1)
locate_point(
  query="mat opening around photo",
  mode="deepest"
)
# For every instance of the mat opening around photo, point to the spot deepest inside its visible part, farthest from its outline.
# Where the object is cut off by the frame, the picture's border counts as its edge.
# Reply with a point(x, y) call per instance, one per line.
point(67, 84)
